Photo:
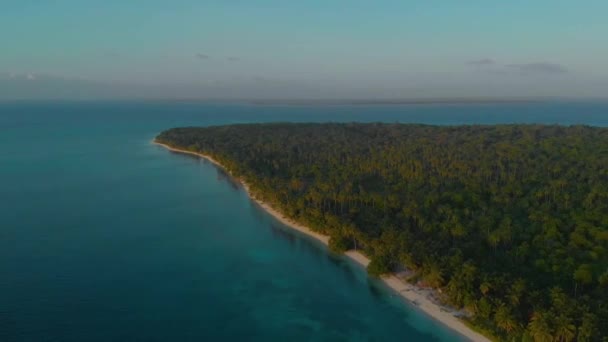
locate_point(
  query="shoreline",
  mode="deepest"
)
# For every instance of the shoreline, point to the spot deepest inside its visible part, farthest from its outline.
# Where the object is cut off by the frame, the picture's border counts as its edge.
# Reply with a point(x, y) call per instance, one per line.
point(416, 296)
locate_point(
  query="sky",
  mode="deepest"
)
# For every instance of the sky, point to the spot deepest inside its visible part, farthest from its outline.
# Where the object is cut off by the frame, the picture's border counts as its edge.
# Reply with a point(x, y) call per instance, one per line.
point(303, 49)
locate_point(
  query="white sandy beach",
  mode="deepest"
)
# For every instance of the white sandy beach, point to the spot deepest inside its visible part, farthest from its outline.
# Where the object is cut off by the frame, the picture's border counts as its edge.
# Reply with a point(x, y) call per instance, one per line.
point(419, 297)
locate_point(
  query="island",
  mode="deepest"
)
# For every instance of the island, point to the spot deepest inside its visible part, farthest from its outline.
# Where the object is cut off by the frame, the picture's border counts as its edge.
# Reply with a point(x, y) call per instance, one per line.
point(494, 229)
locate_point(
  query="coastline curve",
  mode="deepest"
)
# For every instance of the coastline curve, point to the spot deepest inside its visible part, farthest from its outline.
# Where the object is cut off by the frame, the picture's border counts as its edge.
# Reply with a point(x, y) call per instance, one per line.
point(415, 295)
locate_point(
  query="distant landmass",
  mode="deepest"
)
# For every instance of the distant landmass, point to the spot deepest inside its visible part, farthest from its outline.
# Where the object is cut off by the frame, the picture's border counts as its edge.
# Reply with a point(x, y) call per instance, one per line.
point(364, 101)
point(405, 101)
point(508, 223)
point(36, 86)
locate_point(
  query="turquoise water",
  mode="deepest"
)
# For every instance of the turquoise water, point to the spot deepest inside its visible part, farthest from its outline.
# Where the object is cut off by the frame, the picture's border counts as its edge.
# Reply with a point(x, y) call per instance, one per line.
point(106, 237)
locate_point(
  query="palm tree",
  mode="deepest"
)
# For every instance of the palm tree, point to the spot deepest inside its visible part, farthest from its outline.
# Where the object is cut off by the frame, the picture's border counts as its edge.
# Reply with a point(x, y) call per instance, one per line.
point(539, 327)
point(504, 319)
point(516, 291)
point(433, 276)
point(587, 328)
point(485, 287)
point(565, 331)
point(583, 275)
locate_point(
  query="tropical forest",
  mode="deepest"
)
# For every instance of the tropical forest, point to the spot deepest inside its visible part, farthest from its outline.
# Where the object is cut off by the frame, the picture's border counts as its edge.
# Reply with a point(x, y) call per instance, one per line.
point(507, 222)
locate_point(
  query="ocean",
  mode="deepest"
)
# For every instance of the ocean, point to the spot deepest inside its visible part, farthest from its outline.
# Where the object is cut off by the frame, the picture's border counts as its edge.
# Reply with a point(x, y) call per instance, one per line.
point(107, 237)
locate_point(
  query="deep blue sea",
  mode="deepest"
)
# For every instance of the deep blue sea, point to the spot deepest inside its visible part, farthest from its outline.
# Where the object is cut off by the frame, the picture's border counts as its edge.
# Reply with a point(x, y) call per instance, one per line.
point(106, 237)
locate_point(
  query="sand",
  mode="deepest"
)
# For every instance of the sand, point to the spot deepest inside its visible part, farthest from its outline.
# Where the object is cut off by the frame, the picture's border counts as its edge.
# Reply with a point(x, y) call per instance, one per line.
point(421, 298)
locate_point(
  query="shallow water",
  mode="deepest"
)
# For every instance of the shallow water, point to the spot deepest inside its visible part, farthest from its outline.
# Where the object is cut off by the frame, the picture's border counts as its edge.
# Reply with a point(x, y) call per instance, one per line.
point(104, 236)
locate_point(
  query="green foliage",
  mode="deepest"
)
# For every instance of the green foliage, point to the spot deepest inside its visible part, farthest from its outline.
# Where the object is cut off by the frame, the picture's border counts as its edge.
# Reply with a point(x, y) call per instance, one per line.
point(583, 274)
point(340, 243)
point(433, 276)
point(511, 221)
point(379, 265)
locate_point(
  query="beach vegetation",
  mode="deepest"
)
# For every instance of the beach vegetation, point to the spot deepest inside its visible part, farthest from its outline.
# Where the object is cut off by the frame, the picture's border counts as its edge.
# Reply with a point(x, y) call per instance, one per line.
point(509, 221)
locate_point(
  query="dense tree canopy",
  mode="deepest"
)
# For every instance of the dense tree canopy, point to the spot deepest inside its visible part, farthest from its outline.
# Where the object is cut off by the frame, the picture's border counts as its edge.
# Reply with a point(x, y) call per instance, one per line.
point(510, 221)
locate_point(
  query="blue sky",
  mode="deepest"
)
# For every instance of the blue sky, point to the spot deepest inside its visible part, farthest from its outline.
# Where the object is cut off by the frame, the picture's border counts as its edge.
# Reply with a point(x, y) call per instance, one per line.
point(314, 48)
